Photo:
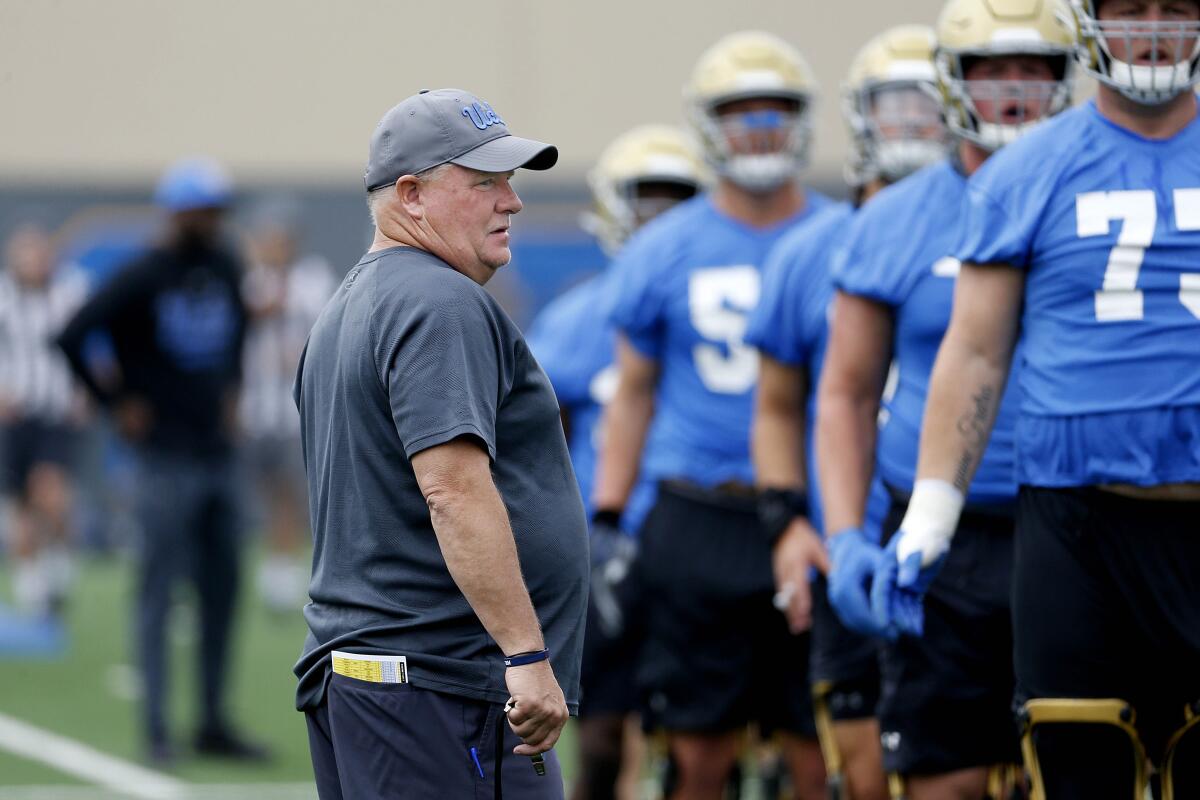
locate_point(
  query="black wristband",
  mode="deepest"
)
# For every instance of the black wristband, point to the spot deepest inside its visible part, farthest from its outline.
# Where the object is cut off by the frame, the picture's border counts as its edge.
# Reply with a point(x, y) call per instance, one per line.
point(521, 659)
point(607, 517)
point(776, 510)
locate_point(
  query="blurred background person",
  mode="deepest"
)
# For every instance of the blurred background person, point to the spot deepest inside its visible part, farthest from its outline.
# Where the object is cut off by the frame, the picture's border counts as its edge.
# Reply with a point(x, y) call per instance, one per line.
point(643, 173)
point(895, 123)
point(176, 321)
point(284, 291)
point(40, 411)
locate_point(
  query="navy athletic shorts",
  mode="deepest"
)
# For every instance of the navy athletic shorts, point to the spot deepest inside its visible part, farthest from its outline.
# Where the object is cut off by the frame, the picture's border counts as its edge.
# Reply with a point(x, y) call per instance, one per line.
point(385, 741)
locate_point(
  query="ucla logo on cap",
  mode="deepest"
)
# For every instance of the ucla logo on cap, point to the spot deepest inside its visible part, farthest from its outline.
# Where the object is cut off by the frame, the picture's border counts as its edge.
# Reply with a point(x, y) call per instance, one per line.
point(481, 115)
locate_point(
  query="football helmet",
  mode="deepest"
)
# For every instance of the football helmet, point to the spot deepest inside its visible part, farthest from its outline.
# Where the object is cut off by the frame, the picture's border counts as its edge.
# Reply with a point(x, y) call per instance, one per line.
point(1173, 47)
point(743, 66)
point(974, 29)
point(658, 154)
point(890, 104)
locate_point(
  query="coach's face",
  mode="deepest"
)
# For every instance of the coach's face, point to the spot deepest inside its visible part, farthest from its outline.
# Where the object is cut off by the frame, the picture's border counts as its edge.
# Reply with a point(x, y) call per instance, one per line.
point(468, 213)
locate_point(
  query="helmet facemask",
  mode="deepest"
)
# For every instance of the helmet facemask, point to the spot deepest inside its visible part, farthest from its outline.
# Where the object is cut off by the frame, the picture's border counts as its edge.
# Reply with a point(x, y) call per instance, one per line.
point(1166, 54)
point(758, 150)
point(897, 129)
point(993, 113)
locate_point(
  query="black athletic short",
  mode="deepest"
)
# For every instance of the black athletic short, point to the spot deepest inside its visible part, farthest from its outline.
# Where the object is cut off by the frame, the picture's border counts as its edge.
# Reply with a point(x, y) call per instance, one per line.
point(946, 698)
point(844, 665)
point(717, 653)
point(608, 669)
point(1106, 603)
point(30, 442)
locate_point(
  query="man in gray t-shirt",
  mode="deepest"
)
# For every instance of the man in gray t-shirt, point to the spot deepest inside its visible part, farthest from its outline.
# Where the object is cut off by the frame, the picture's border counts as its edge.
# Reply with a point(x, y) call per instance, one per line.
point(450, 564)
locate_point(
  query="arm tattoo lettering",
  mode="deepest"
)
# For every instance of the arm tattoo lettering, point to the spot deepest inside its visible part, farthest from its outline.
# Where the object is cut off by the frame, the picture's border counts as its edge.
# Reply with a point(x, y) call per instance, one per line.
point(973, 426)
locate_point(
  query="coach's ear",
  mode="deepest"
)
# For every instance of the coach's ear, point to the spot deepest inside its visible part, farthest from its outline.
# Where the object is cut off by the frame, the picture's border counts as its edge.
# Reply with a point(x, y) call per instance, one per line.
point(408, 195)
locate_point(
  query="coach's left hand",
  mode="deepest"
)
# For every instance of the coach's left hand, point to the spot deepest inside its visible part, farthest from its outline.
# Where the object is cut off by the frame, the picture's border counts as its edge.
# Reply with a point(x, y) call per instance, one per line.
point(898, 591)
point(539, 707)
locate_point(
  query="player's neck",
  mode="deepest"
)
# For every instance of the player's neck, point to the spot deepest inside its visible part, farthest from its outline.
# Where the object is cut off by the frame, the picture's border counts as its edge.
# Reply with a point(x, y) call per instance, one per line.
point(869, 190)
point(1151, 122)
point(971, 156)
point(759, 209)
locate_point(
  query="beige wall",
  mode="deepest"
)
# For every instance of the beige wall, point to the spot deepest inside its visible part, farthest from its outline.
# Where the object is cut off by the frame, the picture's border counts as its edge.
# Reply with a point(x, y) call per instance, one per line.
point(111, 90)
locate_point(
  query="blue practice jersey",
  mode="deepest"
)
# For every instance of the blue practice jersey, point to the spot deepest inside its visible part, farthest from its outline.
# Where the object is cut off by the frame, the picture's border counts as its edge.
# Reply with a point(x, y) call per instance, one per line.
point(681, 291)
point(1107, 226)
point(899, 253)
point(791, 325)
point(575, 344)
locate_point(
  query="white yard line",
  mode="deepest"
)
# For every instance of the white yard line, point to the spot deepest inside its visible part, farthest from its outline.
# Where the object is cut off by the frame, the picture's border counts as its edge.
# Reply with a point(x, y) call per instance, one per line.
point(75, 758)
point(204, 791)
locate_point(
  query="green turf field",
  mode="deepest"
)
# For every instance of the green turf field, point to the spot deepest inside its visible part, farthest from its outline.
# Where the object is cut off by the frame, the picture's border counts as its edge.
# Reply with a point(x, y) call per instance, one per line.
point(90, 695)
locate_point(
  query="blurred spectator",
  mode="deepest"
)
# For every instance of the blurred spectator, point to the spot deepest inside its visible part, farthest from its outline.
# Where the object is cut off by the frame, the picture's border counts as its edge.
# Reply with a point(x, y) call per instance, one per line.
point(284, 292)
point(39, 411)
point(177, 324)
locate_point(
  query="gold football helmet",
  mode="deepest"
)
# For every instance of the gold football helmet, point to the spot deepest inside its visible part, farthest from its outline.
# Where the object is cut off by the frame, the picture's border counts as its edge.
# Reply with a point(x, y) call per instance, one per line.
point(1174, 48)
point(976, 29)
point(745, 66)
point(890, 104)
point(658, 154)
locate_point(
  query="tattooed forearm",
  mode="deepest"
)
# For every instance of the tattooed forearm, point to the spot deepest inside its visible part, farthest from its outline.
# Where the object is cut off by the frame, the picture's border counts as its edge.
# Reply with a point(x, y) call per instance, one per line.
point(973, 426)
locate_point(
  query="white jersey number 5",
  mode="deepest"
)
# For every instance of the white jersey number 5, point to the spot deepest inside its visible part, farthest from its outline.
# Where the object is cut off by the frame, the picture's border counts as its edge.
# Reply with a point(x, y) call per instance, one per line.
point(719, 301)
point(1119, 299)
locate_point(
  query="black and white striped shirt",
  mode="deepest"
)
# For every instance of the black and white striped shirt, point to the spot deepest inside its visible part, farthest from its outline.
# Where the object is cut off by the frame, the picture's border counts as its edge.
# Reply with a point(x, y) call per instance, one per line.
point(274, 341)
point(34, 377)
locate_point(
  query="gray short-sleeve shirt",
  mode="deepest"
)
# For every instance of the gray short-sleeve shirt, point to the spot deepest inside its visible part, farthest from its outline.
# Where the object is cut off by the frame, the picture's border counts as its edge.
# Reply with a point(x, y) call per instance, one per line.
point(410, 354)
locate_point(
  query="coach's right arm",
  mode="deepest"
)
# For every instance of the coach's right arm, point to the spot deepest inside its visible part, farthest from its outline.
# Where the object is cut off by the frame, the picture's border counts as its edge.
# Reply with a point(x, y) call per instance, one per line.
point(471, 524)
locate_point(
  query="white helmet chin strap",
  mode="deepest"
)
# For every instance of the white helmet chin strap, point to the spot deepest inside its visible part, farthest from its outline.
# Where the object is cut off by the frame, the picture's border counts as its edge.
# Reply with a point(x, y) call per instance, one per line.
point(762, 172)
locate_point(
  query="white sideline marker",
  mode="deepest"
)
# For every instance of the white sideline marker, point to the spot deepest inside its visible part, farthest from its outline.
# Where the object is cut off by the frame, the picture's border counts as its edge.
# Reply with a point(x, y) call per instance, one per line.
point(75, 758)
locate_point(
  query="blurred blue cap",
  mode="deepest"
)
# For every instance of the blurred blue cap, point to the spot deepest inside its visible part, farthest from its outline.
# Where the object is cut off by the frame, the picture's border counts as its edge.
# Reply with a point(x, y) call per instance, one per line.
point(194, 183)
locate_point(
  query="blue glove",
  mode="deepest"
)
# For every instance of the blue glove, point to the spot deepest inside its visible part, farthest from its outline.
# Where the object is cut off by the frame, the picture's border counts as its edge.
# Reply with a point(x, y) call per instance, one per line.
point(898, 591)
point(854, 561)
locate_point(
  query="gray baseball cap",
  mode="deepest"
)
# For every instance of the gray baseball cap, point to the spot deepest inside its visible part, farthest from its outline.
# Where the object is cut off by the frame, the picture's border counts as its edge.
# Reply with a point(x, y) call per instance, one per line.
point(448, 125)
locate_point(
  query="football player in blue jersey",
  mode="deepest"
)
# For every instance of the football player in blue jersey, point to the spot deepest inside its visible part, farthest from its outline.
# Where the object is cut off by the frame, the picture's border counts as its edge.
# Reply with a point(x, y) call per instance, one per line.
point(896, 128)
point(944, 707)
point(1085, 238)
point(717, 654)
point(641, 174)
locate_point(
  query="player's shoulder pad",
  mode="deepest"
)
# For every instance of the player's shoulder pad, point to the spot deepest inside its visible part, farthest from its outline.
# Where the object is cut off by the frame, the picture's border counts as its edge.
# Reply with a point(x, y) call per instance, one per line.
point(1044, 149)
point(908, 202)
point(813, 234)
